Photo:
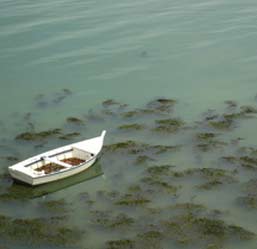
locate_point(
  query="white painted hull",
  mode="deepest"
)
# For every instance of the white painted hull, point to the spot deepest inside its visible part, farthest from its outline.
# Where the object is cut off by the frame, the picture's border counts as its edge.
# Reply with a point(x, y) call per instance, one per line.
point(50, 177)
point(88, 150)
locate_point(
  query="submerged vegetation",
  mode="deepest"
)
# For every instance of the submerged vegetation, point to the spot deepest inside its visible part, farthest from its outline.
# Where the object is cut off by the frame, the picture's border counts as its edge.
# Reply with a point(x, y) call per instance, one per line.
point(112, 102)
point(224, 124)
point(249, 199)
point(118, 244)
point(109, 221)
point(247, 160)
point(33, 136)
point(69, 136)
point(227, 121)
point(133, 147)
point(162, 104)
point(159, 175)
point(132, 200)
point(132, 127)
point(56, 98)
point(168, 125)
point(38, 231)
point(58, 206)
point(185, 224)
point(74, 120)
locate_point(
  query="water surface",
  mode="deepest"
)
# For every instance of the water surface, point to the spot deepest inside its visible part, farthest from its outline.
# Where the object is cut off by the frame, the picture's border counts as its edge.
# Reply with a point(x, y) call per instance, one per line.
point(63, 58)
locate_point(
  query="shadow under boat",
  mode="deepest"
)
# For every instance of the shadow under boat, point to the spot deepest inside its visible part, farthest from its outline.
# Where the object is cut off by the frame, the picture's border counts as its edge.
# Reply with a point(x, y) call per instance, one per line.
point(20, 190)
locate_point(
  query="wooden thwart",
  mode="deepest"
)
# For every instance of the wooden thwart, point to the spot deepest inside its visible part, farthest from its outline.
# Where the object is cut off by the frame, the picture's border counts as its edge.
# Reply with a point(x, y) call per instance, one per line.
point(54, 160)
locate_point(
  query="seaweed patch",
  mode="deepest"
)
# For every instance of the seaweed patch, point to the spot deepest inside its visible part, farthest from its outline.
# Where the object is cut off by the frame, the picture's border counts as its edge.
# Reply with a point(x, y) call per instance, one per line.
point(120, 244)
point(56, 206)
point(138, 201)
point(162, 105)
point(107, 220)
point(142, 159)
point(132, 200)
point(132, 127)
point(134, 147)
point(44, 101)
point(75, 120)
point(33, 136)
point(112, 102)
point(168, 125)
point(69, 136)
point(38, 231)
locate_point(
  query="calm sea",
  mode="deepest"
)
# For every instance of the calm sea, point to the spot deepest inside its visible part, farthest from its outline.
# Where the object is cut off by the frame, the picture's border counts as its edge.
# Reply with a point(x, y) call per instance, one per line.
point(63, 58)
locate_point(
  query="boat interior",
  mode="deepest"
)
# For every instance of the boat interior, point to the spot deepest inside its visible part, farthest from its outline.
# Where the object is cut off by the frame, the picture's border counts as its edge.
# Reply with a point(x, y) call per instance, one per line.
point(61, 160)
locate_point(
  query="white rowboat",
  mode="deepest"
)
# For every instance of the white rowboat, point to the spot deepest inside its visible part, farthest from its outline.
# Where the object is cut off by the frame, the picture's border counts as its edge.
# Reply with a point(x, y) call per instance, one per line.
point(58, 163)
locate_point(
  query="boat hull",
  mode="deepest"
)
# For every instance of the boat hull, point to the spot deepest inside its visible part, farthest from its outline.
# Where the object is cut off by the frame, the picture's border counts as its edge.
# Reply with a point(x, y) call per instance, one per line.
point(50, 177)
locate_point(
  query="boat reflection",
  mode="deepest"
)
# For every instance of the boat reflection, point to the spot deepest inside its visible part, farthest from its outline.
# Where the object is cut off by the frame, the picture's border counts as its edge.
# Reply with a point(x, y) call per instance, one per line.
point(21, 191)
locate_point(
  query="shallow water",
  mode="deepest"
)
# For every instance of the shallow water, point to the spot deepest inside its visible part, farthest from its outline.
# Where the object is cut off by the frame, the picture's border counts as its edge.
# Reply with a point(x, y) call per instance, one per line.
point(62, 59)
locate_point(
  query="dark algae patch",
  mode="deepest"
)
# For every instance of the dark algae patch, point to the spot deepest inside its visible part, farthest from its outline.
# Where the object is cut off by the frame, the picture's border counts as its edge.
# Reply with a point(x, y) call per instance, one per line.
point(11, 159)
point(69, 136)
point(58, 206)
point(228, 121)
point(189, 228)
point(248, 109)
point(224, 124)
point(56, 98)
point(206, 136)
point(134, 147)
point(112, 102)
point(131, 127)
point(219, 228)
point(138, 113)
point(75, 120)
point(166, 182)
point(183, 224)
point(121, 220)
point(132, 200)
point(162, 105)
point(249, 198)
point(159, 170)
point(209, 185)
point(120, 244)
point(213, 174)
point(248, 201)
point(208, 141)
point(160, 185)
point(126, 145)
point(157, 107)
point(231, 104)
point(168, 125)
point(33, 136)
point(246, 159)
point(38, 231)
point(109, 221)
point(143, 159)
point(210, 145)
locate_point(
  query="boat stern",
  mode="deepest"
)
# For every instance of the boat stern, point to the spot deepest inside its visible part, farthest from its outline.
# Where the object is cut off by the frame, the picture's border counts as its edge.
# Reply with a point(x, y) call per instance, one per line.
point(20, 175)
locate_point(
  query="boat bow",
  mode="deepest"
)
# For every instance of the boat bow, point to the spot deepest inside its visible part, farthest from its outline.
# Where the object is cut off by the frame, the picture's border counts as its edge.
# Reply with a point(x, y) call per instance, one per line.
point(93, 145)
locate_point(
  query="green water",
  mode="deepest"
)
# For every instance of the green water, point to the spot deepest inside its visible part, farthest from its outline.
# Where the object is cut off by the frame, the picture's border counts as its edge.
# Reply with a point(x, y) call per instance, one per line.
point(61, 59)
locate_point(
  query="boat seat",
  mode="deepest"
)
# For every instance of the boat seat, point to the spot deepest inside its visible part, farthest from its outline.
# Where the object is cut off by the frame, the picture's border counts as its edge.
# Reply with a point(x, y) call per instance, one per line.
point(77, 147)
point(53, 160)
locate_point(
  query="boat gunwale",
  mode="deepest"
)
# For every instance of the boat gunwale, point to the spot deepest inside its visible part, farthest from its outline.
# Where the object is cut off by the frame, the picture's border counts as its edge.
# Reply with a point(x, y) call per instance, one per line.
point(40, 159)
